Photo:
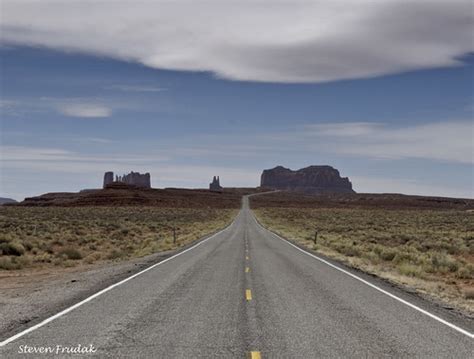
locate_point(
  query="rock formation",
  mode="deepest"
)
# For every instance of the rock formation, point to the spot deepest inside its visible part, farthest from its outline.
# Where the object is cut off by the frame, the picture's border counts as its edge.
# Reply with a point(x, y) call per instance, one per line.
point(312, 179)
point(108, 178)
point(132, 179)
point(215, 185)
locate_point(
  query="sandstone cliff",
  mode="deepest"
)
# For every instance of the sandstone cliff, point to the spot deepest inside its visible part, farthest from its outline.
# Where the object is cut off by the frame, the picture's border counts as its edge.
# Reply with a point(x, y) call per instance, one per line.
point(312, 179)
point(215, 185)
point(134, 179)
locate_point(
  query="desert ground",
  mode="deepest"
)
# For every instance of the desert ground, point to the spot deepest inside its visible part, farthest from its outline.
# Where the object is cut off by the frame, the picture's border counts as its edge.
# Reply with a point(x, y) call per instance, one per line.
point(35, 237)
point(424, 244)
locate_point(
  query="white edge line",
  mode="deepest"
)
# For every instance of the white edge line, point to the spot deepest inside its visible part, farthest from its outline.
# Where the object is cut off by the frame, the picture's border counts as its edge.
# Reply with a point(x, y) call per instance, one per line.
point(88, 299)
point(460, 330)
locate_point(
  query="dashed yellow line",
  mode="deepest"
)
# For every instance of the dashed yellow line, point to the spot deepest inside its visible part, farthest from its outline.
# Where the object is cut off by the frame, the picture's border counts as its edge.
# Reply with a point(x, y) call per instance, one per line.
point(248, 294)
point(247, 269)
point(247, 257)
point(255, 355)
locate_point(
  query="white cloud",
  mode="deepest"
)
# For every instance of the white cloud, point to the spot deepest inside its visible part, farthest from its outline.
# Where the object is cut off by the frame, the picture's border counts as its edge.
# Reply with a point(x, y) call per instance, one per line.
point(135, 88)
point(84, 110)
point(284, 41)
point(344, 129)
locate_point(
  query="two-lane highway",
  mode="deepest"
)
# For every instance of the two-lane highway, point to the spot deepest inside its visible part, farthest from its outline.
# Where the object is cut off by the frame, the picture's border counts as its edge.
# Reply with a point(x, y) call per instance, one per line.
point(246, 292)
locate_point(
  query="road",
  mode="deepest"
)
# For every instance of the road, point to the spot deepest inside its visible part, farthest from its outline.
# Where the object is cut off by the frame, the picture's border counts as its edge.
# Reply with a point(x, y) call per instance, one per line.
point(245, 292)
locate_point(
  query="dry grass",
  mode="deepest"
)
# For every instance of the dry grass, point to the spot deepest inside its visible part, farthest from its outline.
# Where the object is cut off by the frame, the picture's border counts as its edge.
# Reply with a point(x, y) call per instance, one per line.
point(55, 236)
point(432, 251)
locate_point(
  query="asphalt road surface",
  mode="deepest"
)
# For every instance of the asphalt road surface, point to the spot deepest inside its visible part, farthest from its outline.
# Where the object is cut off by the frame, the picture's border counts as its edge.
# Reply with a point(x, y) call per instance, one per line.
point(247, 293)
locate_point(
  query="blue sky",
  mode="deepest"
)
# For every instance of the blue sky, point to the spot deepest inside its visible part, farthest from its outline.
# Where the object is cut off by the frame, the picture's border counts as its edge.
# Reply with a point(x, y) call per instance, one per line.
point(70, 113)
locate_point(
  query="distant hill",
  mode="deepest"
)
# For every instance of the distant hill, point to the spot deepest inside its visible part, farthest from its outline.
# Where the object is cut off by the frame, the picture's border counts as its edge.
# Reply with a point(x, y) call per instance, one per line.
point(123, 195)
point(4, 200)
point(311, 180)
point(288, 199)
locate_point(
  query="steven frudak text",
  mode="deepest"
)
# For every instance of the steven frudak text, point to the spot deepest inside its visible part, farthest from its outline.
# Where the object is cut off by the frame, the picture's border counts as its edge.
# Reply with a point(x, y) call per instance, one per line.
point(57, 349)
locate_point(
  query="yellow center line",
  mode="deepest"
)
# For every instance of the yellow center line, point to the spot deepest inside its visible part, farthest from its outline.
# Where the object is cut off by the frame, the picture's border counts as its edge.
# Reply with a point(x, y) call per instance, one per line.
point(248, 294)
point(247, 257)
point(247, 269)
point(255, 355)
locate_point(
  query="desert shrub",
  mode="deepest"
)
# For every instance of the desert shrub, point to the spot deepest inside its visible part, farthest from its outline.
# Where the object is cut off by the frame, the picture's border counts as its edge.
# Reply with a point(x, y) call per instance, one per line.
point(464, 273)
point(387, 254)
point(116, 254)
point(452, 266)
point(59, 242)
point(92, 230)
point(11, 263)
point(347, 250)
point(469, 294)
point(443, 263)
point(409, 270)
point(351, 251)
point(71, 253)
point(403, 257)
point(44, 258)
point(28, 245)
point(371, 257)
point(12, 249)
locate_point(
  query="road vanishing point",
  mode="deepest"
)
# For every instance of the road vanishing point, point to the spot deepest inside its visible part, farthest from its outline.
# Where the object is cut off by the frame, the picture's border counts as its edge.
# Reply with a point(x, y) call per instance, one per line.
point(247, 293)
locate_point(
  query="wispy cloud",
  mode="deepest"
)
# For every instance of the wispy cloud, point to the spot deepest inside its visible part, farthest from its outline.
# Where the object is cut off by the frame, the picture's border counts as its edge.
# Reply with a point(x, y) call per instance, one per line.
point(7, 104)
point(98, 140)
point(443, 141)
point(135, 88)
point(65, 160)
point(345, 129)
point(284, 41)
point(21, 153)
point(84, 110)
point(449, 141)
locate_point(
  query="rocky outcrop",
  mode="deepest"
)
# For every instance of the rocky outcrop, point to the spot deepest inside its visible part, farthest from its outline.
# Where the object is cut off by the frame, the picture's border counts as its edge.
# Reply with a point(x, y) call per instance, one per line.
point(215, 185)
point(108, 178)
point(134, 179)
point(312, 179)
